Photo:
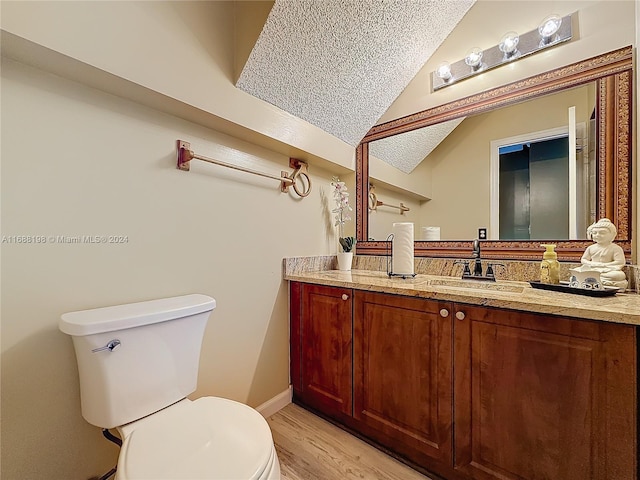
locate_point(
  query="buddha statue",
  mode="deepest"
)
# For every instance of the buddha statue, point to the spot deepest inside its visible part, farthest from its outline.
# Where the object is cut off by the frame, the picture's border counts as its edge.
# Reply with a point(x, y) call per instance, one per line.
point(605, 256)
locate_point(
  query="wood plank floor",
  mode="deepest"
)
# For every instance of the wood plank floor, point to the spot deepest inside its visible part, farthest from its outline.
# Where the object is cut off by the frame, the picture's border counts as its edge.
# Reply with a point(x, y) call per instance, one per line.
point(310, 448)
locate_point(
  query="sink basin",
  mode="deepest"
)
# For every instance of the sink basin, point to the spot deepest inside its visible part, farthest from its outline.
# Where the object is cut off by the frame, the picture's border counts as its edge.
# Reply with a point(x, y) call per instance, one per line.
point(475, 285)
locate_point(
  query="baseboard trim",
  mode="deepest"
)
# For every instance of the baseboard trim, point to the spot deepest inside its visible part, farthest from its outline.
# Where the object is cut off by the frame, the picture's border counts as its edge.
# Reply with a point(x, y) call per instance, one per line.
point(278, 402)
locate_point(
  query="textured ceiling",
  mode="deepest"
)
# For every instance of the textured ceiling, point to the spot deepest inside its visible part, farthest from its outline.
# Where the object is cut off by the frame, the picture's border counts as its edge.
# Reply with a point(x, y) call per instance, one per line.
point(407, 150)
point(339, 64)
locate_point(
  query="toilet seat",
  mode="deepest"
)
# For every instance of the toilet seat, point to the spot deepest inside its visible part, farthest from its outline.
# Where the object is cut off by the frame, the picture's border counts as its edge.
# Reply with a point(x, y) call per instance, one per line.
point(208, 438)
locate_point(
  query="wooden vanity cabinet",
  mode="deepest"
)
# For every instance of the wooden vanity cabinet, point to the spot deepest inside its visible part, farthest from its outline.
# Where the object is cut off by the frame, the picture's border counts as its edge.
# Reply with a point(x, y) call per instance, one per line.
point(543, 397)
point(383, 369)
point(470, 392)
point(321, 348)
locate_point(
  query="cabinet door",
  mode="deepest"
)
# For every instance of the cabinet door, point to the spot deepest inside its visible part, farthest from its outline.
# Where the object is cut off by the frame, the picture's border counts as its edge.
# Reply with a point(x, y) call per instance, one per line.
point(543, 397)
point(402, 374)
point(325, 349)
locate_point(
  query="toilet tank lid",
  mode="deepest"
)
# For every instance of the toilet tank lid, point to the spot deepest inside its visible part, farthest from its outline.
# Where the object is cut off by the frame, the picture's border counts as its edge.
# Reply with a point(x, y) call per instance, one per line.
point(119, 317)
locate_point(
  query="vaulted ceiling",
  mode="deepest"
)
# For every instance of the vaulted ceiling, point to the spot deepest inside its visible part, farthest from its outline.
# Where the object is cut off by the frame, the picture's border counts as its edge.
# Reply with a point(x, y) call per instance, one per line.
point(340, 64)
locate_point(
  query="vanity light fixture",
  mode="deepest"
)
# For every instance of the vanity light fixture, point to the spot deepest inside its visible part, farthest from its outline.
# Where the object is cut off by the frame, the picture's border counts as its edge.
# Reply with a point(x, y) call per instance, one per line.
point(444, 71)
point(474, 58)
point(549, 27)
point(509, 44)
point(552, 31)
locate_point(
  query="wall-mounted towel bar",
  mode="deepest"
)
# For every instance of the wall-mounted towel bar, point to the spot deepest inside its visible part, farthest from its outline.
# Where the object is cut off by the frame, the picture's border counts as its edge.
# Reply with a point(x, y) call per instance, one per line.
point(185, 155)
point(374, 203)
point(402, 207)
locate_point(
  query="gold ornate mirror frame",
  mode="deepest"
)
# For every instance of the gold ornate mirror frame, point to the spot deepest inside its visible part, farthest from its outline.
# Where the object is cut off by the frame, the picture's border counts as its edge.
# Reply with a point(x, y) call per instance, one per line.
point(613, 74)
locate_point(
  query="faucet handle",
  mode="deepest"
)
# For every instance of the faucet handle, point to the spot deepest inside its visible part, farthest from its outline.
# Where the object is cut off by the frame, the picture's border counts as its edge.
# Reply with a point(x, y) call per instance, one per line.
point(489, 272)
point(465, 264)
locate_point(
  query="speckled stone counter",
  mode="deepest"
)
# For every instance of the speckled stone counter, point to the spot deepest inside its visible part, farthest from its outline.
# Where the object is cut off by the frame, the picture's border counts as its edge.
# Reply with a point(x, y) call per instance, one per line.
point(515, 295)
point(516, 270)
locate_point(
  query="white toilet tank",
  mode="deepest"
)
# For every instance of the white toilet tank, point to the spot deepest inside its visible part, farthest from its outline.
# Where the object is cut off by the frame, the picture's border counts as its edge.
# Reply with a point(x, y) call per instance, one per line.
point(136, 359)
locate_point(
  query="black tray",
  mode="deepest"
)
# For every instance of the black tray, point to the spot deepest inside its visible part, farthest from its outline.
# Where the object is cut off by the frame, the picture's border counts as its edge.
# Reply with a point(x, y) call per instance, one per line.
point(564, 287)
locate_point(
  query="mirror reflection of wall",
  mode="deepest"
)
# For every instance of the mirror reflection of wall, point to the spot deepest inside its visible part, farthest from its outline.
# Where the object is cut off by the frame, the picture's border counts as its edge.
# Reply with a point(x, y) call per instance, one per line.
point(391, 208)
point(459, 177)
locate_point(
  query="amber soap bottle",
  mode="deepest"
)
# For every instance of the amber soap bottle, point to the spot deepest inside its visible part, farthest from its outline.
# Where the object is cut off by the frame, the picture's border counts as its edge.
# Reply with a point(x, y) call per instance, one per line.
point(549, 267)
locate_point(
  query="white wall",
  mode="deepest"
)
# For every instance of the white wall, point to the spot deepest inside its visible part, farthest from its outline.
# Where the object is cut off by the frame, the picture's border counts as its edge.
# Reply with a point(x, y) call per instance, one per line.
point(76, 161)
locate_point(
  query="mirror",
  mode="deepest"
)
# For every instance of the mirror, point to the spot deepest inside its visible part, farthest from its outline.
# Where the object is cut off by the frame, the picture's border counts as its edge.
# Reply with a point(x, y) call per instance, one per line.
point(603, 81)
point(507, 170)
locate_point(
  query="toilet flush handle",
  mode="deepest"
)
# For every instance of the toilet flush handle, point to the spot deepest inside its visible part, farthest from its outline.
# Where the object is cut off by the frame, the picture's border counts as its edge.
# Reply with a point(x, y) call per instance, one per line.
point(111, 346)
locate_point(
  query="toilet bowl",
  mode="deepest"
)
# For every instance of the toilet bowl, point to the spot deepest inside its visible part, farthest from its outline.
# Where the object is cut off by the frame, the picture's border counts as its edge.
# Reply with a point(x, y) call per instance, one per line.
point(209, 438)
point(137, 363)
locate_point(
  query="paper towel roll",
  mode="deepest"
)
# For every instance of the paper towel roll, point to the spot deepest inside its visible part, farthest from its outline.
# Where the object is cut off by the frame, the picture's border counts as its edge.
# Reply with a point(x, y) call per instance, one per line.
point(402, 248)
point(430, 233)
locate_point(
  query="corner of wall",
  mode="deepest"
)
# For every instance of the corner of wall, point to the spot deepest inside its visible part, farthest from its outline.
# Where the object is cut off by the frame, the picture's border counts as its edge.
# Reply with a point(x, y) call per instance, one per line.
point(249, 18)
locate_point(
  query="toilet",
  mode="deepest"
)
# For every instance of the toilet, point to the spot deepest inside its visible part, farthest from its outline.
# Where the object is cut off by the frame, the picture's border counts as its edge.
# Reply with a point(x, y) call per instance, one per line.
point(137, 363)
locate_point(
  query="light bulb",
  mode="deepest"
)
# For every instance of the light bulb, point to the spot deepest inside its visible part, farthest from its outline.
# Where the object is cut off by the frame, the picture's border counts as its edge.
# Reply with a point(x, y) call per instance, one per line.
point(473, 58)
point(549, 27)
point(444, 71)
point(509, 43)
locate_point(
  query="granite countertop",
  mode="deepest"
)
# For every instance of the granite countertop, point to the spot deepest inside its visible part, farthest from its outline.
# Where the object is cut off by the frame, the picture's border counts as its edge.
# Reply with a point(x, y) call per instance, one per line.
point(620, 308)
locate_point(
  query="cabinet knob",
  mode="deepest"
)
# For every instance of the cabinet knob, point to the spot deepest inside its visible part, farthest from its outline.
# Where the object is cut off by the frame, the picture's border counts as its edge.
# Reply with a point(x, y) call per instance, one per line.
point(460, 315)
point(444, 312)
point(345, 296)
